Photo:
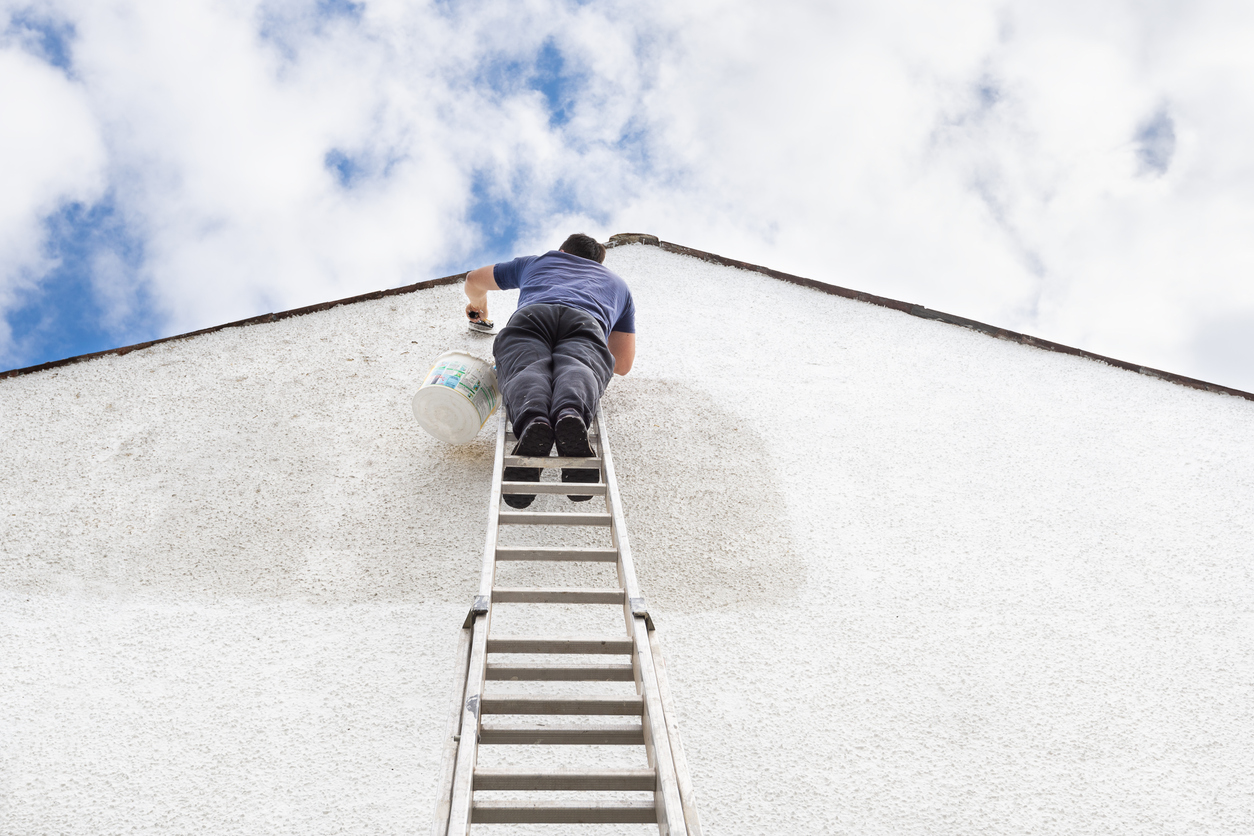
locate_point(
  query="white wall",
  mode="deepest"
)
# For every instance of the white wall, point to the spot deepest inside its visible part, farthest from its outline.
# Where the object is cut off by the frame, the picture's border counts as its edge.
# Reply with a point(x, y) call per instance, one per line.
point(910, 579)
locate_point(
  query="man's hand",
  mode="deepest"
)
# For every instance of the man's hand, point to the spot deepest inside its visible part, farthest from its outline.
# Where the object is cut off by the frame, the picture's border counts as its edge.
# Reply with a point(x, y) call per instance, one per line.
point(478, 283)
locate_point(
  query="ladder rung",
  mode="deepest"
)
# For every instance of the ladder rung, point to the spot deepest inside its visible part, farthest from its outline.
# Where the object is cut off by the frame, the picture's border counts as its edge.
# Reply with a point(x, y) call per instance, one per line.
point(552, 518)
point(555, 705)
point(590, 672)
point(558, 812)
point(626, 734)
point(577, 488)
point(544, 595)
point(539, 644)
point(552, 461)
point(590, 555)
point(608, 780)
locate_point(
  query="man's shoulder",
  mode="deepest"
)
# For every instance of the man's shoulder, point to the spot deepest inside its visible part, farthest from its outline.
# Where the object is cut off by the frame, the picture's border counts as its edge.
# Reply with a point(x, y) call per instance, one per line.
point(525, 265)
point(509, 274)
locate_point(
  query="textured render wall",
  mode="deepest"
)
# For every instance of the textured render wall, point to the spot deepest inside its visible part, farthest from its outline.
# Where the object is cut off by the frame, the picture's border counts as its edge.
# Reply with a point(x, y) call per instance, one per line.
point(910, 579)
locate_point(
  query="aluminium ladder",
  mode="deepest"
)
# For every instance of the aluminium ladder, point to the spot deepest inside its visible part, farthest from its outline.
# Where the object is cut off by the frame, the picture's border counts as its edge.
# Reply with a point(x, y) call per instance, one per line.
point(616, 792)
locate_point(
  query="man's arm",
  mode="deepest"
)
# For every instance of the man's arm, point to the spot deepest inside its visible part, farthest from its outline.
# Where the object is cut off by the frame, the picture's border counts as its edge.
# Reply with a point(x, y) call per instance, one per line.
point(478, 283)
point(623, 347)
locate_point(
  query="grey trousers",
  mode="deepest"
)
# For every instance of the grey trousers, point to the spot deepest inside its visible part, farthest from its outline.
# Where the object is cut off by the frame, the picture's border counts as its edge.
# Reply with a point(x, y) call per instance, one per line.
point(549, 359)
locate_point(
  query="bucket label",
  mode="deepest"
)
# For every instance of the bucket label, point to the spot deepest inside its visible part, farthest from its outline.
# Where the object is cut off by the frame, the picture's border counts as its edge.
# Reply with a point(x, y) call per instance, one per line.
point(459, 377)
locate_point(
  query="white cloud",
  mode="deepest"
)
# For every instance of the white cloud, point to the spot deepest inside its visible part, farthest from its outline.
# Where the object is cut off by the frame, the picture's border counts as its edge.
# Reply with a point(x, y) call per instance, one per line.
point(220, 137)
point(980, 157)
point(50, 153)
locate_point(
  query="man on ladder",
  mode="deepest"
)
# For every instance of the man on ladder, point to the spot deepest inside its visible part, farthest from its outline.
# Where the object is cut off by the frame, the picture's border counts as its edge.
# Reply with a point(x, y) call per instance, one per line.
point(575, 328)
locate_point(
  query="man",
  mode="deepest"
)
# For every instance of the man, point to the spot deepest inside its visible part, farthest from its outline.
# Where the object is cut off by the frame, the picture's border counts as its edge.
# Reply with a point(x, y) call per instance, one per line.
point(575, 328)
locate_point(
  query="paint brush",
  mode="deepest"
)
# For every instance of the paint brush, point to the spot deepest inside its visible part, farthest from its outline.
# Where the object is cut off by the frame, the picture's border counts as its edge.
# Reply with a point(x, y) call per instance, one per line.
point(478, 324)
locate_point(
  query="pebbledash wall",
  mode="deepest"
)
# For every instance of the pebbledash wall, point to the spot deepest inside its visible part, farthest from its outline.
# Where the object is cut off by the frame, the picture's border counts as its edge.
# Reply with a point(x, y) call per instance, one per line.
point(909, 579)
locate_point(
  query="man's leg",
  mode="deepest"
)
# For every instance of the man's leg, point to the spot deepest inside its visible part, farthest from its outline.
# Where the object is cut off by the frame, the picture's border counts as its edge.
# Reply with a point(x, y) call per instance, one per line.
point(582, 368)
point(524, 362)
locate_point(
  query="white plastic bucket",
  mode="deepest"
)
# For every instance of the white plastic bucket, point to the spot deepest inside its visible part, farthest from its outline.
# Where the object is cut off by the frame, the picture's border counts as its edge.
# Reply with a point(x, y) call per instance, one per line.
point(457, 397)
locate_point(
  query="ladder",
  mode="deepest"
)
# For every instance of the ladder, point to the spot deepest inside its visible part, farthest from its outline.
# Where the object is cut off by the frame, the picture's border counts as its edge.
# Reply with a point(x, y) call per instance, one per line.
point(657, 790)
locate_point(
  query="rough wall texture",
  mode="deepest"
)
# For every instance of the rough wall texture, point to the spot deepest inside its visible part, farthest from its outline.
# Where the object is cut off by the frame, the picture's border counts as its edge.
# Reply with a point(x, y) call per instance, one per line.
point(909, 579)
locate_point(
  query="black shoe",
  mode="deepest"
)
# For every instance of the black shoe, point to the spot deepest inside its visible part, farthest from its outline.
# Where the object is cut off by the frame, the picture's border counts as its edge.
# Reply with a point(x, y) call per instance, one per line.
point(536, 440)
point(572, 441)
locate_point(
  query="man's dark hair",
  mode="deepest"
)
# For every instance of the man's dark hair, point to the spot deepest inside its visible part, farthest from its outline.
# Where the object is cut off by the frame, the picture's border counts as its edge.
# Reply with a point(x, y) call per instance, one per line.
point(584, 246)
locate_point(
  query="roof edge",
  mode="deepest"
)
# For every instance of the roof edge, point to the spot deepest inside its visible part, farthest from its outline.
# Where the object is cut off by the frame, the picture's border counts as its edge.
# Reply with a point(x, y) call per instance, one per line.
point(253, 320)
point(625, 238)
point(926, 313)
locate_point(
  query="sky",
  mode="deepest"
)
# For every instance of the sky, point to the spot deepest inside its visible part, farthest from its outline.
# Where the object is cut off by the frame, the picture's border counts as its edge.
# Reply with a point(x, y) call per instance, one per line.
point(1076, 171)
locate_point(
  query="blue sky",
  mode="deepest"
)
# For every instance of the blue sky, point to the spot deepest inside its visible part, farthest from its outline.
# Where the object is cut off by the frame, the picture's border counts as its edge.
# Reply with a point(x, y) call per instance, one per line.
point(64, 314)
point(1076, 174)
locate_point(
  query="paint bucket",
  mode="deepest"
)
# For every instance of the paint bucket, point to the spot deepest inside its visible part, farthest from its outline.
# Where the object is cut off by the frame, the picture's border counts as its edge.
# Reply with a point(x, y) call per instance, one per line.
point(457, 397)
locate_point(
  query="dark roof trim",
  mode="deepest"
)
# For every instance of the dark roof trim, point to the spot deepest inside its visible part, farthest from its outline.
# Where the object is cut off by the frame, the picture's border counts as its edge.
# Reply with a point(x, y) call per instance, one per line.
point(926, 313)
point(652, 240)
point(270, 317)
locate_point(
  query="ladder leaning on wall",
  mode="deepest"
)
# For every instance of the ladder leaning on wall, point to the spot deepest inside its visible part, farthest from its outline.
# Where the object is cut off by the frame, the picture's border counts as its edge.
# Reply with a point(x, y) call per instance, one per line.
point(604, 795)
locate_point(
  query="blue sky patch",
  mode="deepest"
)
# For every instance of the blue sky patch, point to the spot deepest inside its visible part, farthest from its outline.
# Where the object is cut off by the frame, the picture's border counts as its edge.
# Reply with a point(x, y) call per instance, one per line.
point(340, 8)
point(635, 144)
point(500, 76)
point(68, 314)
point(555, 83)
point(496, 217)
point(50, 39)
point(351, 170)
point(347, 170)
point(548, 73)
point(1156, 143)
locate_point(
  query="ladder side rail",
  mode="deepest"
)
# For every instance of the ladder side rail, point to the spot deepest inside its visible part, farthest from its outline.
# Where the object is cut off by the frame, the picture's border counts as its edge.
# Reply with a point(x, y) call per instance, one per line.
point(618, 529)
point(613, 500)
point(468, 746)
point(488, 576)
point(680, 805)
point(687, 794)
point(670, 811)
point(448, 757)
point(478, 620)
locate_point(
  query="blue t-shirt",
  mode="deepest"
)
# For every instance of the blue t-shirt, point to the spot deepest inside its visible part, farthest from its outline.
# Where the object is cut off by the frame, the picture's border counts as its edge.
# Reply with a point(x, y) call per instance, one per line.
point(558, 278)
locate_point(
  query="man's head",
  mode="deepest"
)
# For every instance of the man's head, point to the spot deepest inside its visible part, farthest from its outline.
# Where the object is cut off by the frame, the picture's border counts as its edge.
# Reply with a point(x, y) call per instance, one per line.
point(584, 246)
